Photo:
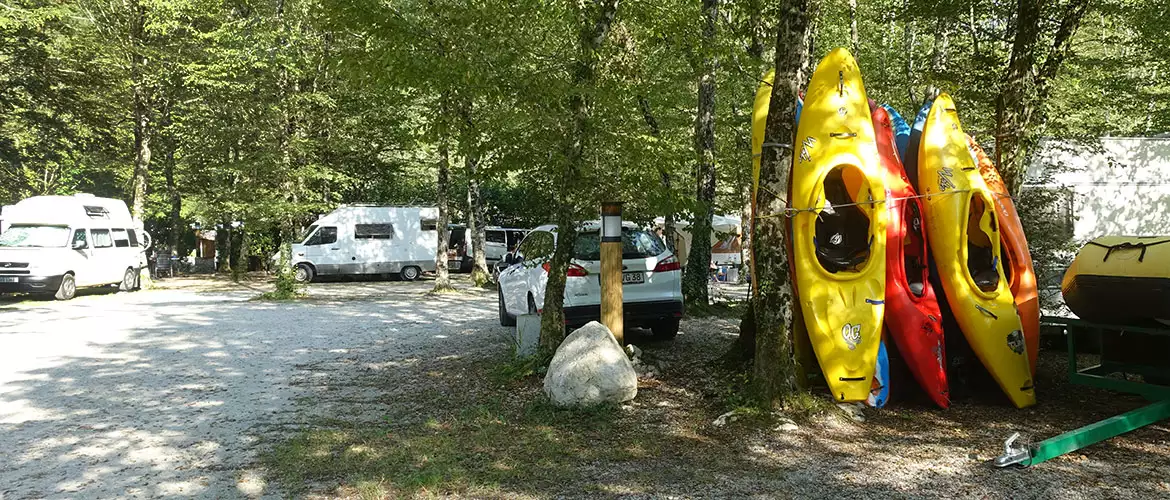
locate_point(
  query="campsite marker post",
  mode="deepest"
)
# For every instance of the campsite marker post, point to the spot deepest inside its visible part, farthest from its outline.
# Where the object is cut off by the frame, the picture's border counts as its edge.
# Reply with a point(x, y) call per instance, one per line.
point(611, 269)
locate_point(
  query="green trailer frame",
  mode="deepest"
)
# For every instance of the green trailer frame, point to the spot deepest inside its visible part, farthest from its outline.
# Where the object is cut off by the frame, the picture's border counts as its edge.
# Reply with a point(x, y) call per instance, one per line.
point(1097, 376)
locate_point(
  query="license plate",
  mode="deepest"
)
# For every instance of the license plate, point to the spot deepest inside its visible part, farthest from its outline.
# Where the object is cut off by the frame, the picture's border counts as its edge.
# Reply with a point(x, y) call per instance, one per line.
point(633, 278)
point(9, 279)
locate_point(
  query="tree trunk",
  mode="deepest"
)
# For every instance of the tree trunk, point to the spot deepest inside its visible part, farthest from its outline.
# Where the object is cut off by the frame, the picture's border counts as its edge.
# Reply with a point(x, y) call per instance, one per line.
point(699, 258)
point(854, 44)
point(911, 40)
point(476, 217)
point(668, 230)
point(1023, 88)
point(442, 187)
point(141, 106)
point(594, 20)
point(938, 57)
point(775, 366)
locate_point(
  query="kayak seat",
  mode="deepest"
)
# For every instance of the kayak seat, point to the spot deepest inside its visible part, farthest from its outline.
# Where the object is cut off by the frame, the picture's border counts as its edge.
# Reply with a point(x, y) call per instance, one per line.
point(917, 288)
point(842, 228)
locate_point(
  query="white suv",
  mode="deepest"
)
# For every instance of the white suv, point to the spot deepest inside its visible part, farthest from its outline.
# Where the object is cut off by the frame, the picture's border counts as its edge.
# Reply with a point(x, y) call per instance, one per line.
point(651, 279)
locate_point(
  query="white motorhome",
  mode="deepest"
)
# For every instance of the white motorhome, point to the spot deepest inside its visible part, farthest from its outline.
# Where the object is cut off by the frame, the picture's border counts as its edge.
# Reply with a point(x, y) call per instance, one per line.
point(497, 242)
point(55, 244)
point(369, 240)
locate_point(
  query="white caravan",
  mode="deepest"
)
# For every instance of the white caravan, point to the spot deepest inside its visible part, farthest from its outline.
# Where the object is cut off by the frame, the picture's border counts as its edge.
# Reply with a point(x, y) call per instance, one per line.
point(369, 240)
point(55, 244)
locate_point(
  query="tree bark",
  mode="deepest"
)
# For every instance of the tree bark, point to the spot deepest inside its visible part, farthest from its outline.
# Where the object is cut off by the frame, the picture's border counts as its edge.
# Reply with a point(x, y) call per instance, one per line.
point(854, 43)
point(699, 257)
point(594, 20)
point(775, 366)
point(442, 187)
point(911, 40)
point(668, 230)
point(938, 56)
point(476, 218)
point(1023, 88)
point(141, 106)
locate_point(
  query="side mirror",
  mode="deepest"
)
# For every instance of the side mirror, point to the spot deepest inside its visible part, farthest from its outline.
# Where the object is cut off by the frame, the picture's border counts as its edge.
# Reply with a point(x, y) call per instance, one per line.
point(80, 245)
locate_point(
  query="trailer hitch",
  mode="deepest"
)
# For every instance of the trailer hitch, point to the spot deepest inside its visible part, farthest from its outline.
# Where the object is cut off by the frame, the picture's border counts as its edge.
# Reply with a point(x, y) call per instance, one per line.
point(1013, 454)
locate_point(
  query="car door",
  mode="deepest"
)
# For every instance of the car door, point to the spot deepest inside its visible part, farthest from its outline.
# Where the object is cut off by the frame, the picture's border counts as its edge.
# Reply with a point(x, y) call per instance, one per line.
point(528, 277)
point(82, 260)
point(103, 263)
point(322, 251)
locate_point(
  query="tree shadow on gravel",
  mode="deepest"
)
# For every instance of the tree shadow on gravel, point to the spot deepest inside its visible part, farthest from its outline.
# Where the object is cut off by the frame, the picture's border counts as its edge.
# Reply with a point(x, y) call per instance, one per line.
point(172, 393)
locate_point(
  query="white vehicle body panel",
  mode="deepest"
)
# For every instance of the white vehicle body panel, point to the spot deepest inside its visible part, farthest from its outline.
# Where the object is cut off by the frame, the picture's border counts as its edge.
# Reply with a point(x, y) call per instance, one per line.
point(370, 240)
point(526, 278)
point(114, 240)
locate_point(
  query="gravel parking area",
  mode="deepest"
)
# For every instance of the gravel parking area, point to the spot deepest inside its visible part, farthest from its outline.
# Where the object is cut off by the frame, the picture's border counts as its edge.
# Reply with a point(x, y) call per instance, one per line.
point(171, 392)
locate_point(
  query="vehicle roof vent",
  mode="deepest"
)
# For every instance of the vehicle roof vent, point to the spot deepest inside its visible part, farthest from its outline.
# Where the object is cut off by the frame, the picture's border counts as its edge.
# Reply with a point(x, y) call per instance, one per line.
point(95, 212)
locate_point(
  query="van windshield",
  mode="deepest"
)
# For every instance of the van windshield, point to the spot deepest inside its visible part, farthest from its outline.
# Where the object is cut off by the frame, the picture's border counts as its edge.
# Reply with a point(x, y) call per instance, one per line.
point(636, 244)
point(35, 236)
point(306, 234)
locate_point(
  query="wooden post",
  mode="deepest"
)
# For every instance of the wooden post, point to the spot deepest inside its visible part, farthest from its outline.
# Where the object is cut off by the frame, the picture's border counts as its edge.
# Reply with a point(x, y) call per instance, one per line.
point(611, 269)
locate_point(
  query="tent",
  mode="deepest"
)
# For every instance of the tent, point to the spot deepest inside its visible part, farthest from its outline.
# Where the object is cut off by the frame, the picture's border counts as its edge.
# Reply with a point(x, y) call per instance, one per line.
point(722, 227)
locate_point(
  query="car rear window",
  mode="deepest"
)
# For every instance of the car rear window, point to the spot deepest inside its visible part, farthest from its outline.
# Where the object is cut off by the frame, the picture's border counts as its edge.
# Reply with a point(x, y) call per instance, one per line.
point(636, 244)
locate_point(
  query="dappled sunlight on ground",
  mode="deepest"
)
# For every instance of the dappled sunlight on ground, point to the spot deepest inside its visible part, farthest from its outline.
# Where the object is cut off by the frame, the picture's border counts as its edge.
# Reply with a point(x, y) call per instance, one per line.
point(172, 392)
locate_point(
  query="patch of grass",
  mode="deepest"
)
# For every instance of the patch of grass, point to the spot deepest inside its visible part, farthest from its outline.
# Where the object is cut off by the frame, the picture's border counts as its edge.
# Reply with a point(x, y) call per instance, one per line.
point(518, 369)
point(536, 445)
point(804, 405)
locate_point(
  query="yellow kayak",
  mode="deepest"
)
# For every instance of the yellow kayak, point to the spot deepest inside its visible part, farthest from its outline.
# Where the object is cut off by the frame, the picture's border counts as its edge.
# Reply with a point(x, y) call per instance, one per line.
point(840, 233)
point(963, 229)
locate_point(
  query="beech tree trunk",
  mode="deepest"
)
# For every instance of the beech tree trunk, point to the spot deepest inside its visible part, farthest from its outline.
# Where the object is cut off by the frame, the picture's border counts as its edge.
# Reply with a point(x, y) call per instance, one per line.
point(775, 368)
point(141, 106)
point(594, 19)
point(442, 187)
point(699, 257)
point(1024, 88)
point(911, 40)
point(854, 43)
point(476, 219)
point(668, 230)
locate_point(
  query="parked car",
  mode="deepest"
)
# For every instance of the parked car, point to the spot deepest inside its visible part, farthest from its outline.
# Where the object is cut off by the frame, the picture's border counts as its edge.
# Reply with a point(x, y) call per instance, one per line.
point(369, 240)
point(651, 279)
point(55, 244)
point(497, 242)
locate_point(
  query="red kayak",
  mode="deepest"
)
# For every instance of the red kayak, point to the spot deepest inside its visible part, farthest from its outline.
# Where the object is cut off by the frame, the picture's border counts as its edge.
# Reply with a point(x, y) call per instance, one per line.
point(912, 317)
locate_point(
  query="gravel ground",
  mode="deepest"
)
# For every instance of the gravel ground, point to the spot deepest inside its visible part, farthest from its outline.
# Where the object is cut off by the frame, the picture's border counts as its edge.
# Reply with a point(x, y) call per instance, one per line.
point(178, 392)
point(172, 392)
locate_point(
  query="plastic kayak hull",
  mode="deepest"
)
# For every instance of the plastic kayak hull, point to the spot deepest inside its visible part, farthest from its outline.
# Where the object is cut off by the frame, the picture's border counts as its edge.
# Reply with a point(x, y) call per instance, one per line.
point(838, 188)
point(1016, 256)
point(963, 230)
point(912, 318)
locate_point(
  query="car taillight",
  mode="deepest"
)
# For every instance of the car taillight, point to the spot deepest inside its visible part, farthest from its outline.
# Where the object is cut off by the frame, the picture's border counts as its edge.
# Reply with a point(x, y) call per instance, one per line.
point(574, 271)
point(668, 264)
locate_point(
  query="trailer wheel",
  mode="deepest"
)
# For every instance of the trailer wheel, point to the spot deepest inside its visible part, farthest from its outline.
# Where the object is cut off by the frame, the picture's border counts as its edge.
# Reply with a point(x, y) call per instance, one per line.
point(409, 273)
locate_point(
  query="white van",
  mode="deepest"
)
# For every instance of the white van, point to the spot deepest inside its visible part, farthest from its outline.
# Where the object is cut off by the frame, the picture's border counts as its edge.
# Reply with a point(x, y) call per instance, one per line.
point(369, 240)
point(497, 242)
point(55, 244)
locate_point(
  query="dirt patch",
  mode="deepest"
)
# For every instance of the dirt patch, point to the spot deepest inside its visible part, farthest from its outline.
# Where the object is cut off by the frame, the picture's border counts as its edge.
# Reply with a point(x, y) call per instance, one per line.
point(458, 426)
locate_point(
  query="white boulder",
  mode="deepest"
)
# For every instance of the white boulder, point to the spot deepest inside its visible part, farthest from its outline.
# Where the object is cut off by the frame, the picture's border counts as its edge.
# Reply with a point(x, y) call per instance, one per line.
point(590, 368)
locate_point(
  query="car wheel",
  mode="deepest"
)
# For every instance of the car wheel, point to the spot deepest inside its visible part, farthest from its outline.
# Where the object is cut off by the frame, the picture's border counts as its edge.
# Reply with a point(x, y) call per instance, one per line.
point(532, 305)
point(67, 289)
point(304, 273)
point(409, 273)
point(665, 329)
point(505, 318)
point(128, 278)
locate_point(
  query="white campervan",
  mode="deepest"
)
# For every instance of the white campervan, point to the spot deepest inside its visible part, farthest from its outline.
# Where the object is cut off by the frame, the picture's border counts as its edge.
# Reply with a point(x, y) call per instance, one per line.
point(55, 244)
point(369, 240)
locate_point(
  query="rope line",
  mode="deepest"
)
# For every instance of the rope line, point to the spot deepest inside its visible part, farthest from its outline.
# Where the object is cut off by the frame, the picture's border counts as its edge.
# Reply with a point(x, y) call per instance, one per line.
point(791, 212)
